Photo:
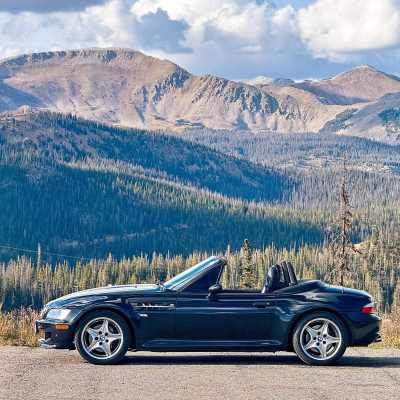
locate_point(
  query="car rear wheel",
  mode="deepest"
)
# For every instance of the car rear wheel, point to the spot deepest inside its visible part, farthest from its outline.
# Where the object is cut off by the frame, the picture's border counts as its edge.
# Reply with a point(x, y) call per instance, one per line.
point(102, 337)
point(320, 338)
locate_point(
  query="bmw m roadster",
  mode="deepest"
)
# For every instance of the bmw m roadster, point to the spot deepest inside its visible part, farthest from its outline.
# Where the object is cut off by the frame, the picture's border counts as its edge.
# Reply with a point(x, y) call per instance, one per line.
point(193, 312)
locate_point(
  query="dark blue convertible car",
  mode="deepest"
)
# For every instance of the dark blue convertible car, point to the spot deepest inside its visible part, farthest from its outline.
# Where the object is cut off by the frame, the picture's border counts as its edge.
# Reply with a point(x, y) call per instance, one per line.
point(193, 312)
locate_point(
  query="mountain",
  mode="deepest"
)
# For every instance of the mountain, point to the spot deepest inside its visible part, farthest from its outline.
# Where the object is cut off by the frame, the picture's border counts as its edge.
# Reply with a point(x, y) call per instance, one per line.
point(358, 85)
point(265, 80)
point(125, 87)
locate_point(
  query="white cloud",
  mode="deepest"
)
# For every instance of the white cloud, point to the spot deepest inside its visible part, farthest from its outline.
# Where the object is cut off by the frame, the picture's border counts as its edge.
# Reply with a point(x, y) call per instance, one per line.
point(111, 24)
point(228, 37)
point(215, 31)
point(231, 24)
point(341, 29)
point(232, 38)
point(252, 49)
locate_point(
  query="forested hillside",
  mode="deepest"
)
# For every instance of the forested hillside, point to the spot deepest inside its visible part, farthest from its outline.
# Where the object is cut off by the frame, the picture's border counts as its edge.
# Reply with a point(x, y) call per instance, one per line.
point(84, 212)
point(301, 152)
point(64, 137)
point(85, 189)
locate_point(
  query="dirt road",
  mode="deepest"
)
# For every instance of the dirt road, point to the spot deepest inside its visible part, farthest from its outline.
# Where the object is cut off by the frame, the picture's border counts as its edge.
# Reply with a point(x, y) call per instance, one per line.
point(53, 374)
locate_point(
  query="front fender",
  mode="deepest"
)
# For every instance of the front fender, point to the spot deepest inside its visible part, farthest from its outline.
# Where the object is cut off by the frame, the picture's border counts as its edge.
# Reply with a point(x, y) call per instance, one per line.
point(122, 309)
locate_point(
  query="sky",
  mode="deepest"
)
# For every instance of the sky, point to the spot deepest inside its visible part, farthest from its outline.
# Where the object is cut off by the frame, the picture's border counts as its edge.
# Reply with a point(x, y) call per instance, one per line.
point(235, 39)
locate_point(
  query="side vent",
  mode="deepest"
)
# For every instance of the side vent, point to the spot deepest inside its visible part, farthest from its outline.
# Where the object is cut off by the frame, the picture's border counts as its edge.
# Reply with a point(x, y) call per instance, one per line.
point(142, 306)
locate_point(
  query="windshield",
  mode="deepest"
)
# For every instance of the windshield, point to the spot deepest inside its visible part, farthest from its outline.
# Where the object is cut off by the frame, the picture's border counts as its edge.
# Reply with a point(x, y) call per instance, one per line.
point(187, 275)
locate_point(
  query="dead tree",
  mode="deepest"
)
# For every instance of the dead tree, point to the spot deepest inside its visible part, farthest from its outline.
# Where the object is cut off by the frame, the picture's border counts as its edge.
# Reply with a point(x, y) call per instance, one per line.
point(340, 230)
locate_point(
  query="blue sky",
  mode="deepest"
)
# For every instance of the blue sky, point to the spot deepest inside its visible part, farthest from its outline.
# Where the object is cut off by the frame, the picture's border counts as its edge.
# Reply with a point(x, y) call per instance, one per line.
point(236, 39)
point(295, 3)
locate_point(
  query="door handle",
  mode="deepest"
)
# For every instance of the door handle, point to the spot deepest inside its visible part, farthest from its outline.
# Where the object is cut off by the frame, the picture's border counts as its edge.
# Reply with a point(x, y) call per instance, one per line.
point(261, 304)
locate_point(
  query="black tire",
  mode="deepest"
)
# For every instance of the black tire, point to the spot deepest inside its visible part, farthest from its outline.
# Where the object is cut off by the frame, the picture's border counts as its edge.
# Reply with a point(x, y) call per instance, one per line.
point(309, 333)
point(115, 340)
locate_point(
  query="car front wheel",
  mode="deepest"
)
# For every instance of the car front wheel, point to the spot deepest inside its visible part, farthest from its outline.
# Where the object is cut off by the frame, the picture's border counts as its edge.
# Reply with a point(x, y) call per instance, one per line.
point(320, 338)
point(102, 337)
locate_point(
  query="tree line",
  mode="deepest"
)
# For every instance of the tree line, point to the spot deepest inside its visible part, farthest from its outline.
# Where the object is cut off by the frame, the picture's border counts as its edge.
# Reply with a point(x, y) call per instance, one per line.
point(29, 282)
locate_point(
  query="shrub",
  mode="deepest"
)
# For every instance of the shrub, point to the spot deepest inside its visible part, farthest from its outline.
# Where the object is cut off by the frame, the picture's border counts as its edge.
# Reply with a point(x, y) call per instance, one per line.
point(17, 328)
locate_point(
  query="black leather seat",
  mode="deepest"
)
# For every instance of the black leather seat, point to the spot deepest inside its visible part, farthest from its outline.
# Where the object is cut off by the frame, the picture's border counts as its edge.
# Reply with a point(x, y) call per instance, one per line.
point(273, 279)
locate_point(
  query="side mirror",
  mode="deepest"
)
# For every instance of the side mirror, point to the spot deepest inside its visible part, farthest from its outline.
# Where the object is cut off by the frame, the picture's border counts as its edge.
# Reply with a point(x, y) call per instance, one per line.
point(214, 290)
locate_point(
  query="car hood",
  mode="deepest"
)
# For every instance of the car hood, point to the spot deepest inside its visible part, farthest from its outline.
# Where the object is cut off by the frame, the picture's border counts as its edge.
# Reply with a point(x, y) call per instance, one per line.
point(107, 291)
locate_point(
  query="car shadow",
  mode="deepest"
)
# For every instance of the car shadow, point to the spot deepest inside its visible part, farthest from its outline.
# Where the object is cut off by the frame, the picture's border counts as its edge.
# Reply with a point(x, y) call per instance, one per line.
point(183, 359)
point(270, 359)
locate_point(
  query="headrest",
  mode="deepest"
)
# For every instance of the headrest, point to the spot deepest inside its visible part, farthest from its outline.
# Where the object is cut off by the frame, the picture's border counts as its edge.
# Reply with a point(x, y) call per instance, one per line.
point(273, 276)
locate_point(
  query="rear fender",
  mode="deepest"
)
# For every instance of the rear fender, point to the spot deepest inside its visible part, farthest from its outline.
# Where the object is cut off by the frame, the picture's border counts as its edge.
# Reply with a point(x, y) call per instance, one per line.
point(290, 310)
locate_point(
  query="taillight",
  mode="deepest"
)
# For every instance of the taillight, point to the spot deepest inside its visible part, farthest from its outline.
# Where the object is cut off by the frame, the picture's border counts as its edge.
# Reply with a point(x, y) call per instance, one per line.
point(368, 309)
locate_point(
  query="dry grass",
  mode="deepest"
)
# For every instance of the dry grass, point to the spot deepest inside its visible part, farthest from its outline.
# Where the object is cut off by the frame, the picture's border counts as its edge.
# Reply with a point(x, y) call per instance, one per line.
point(390, 332)
point(17, 328)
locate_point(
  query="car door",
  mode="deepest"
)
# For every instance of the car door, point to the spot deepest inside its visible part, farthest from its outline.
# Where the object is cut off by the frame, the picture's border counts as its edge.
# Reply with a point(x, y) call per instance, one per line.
point(234, 315)
point(156, 316)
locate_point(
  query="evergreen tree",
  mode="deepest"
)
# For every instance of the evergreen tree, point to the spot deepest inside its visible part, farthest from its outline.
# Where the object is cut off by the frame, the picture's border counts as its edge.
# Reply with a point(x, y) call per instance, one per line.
point(248, 270)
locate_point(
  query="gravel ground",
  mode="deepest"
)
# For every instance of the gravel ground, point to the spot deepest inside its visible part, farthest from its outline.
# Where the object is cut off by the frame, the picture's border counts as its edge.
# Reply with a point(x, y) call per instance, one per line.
point(57, 374)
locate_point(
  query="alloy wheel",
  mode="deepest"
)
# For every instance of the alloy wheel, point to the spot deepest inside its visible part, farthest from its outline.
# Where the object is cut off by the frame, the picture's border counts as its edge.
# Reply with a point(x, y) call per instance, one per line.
point(320, 339)
point(102, 338)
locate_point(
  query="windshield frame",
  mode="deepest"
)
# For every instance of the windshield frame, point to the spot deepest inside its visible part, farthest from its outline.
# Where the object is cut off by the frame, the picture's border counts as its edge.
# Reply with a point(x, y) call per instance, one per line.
point(188, 276)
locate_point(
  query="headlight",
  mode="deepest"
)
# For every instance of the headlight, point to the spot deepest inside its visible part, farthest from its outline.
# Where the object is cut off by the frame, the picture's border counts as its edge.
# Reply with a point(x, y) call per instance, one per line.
point(58, 313)
point(43, 312)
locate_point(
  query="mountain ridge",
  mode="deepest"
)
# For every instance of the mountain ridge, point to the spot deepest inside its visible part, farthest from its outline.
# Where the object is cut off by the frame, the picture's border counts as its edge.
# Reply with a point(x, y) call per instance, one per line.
point(126, 87)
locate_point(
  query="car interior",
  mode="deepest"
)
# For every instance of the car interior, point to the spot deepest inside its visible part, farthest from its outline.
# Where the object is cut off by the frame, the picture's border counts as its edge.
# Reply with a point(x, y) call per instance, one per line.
point(278, 277)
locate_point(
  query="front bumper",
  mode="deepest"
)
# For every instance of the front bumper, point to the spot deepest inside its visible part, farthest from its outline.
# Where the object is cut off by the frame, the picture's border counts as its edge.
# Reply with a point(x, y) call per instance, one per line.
point(54, 336)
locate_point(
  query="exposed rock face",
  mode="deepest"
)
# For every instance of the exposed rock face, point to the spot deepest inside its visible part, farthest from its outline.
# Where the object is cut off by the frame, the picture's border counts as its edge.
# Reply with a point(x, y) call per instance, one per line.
point(378, 120)
point(126, 87)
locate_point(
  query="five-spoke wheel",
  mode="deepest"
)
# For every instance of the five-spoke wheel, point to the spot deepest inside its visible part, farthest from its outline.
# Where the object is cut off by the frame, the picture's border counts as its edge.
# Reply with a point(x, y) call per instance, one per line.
point(102, 337)
point(320, 338)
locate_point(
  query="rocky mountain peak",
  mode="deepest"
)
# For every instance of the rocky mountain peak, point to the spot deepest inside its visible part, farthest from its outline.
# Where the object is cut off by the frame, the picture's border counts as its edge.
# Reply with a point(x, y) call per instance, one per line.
point(357, 85)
